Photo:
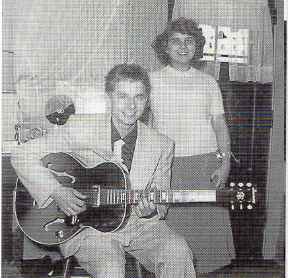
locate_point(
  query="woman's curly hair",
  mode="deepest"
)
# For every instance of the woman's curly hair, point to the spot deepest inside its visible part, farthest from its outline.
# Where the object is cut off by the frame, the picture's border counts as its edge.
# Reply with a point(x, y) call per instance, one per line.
point(183, 26)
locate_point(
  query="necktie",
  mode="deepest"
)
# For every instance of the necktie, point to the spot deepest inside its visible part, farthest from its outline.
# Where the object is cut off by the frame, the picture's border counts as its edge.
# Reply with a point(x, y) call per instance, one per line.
point(117, 154)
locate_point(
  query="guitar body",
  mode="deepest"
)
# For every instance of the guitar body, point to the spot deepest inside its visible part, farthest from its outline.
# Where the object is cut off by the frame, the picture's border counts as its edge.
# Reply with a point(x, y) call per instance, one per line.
point(50, 225)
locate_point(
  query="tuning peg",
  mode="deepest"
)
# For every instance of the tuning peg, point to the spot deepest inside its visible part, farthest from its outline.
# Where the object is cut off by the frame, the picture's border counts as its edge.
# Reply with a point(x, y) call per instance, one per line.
point(232, 206)
point(232, 184)
point(241, 206)
point(240, 184)
point(249, 184)
point(249, 206)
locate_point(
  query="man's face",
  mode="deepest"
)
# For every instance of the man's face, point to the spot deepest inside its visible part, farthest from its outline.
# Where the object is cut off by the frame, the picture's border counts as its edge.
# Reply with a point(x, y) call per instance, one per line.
point(181, 48)
point(128, 102)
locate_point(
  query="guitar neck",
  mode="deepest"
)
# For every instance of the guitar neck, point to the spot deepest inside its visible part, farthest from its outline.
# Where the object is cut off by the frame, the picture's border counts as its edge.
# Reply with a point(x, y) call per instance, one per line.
point(116, 197)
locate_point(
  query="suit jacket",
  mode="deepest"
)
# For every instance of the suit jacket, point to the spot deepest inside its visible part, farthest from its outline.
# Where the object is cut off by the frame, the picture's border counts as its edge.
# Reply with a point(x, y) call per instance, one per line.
point(90, 137)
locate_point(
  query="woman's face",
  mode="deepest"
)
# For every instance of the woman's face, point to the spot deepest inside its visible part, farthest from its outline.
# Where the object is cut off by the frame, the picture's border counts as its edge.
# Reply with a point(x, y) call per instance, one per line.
point(181, 49)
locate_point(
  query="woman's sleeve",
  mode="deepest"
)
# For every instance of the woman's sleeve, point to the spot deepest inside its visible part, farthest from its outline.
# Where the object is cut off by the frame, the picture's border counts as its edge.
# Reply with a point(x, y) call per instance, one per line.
point(216, 107)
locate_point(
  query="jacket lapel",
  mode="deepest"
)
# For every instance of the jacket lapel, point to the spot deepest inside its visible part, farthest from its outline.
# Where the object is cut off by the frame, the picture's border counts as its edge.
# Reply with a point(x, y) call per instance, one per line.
point(144, 160)
point(102, 138)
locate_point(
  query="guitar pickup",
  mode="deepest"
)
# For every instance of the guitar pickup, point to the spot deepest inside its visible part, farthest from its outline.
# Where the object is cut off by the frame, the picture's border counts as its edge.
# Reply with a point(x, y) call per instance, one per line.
point(95, 196)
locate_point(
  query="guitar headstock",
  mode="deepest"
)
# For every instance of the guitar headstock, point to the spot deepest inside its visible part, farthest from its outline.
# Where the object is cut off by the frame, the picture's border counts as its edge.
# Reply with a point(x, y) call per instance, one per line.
point(243, 195)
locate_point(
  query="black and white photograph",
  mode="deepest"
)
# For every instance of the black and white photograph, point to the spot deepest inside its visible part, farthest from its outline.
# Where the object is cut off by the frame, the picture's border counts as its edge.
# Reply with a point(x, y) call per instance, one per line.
point(143, 138)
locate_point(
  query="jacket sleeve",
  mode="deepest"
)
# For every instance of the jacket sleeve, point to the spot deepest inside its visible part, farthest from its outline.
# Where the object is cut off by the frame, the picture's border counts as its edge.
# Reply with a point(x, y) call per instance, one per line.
point(26, 160)
point(162, 174)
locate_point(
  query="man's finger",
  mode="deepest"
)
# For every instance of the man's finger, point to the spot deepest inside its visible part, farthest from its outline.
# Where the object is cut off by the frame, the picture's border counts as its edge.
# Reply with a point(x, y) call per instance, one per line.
point(79, 202)
point(218, 183)
point(145, 203)
point(79, 194)
point(65, 211)
point(75, 209)
point(152, 206)
point(138, 211)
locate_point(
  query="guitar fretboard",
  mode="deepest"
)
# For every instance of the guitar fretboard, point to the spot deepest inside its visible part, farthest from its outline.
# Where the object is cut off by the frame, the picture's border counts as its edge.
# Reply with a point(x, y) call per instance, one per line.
point(116, 197)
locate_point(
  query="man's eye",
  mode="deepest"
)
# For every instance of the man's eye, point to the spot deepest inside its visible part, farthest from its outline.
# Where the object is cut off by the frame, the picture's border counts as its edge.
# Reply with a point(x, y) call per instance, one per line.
point(189, 41)
point(175, 41)
point(141, 97)
point(121, 96)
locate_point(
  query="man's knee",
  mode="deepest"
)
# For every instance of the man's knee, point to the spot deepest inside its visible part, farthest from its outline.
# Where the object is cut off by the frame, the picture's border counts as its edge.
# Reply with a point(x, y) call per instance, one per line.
point(111, 269)
point(178, 248)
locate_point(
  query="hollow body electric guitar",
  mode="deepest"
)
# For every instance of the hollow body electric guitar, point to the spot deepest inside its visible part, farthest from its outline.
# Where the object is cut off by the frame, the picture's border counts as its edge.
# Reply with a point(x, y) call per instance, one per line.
point(109, 200)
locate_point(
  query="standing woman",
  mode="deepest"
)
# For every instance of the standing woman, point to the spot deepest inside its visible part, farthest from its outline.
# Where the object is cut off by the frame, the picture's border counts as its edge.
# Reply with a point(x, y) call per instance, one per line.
point(187, 106)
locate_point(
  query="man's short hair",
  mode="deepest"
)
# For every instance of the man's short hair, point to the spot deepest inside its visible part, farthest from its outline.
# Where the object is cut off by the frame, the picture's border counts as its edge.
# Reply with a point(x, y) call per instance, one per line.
point(131, 72)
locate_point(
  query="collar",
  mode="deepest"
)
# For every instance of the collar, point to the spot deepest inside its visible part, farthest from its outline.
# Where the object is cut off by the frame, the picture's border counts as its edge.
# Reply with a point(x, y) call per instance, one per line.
point(169, 69)
point(129, 139)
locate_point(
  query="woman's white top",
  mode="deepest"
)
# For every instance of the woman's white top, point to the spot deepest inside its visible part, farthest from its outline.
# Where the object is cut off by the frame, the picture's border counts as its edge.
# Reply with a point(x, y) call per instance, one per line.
point(183, 104)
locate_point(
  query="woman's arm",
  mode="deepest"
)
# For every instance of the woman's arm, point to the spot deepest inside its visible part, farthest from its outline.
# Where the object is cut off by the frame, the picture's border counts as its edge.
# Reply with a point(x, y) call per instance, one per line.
point(223, 141)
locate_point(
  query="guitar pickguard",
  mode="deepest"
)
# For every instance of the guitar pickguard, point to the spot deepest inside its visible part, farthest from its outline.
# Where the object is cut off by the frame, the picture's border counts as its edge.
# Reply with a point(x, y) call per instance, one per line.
point(62, 174)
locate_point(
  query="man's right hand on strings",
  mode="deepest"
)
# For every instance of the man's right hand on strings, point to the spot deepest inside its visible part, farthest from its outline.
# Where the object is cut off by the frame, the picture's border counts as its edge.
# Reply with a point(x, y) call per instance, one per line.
point(69, 200)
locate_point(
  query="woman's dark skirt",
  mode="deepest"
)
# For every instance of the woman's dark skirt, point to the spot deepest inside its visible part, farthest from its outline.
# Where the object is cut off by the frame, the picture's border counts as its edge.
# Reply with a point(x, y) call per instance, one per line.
point(206, 226)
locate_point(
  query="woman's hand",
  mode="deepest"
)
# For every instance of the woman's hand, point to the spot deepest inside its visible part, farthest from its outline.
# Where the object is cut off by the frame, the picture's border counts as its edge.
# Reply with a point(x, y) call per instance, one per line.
point(220, 176)
point(69, 200)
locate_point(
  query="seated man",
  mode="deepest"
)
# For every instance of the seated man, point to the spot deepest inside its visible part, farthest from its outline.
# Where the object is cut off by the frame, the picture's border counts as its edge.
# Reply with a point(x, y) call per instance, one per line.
point(147, 155)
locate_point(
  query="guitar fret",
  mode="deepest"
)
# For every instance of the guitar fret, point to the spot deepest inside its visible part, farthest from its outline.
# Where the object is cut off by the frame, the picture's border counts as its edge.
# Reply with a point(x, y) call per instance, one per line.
point(123, 200)
point(164, 196)
point(130, 196)
point(147, 195)
point(114, 198)
point(170, 196)
point(158, 196)
point(151, 196)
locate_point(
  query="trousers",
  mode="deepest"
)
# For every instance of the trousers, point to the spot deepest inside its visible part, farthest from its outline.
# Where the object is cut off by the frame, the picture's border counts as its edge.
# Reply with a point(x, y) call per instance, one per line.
point(156, 246)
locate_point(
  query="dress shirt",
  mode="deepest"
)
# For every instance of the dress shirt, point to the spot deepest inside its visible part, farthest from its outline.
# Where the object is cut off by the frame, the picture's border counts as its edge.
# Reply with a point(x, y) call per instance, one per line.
point(129, 146)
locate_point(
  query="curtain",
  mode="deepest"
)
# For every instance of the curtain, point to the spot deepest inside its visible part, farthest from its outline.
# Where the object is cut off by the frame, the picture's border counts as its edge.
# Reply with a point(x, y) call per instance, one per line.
point(253, 15)
point(68, 46)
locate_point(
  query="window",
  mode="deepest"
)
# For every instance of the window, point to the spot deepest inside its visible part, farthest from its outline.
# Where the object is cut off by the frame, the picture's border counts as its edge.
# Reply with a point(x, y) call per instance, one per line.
point(224, 45)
